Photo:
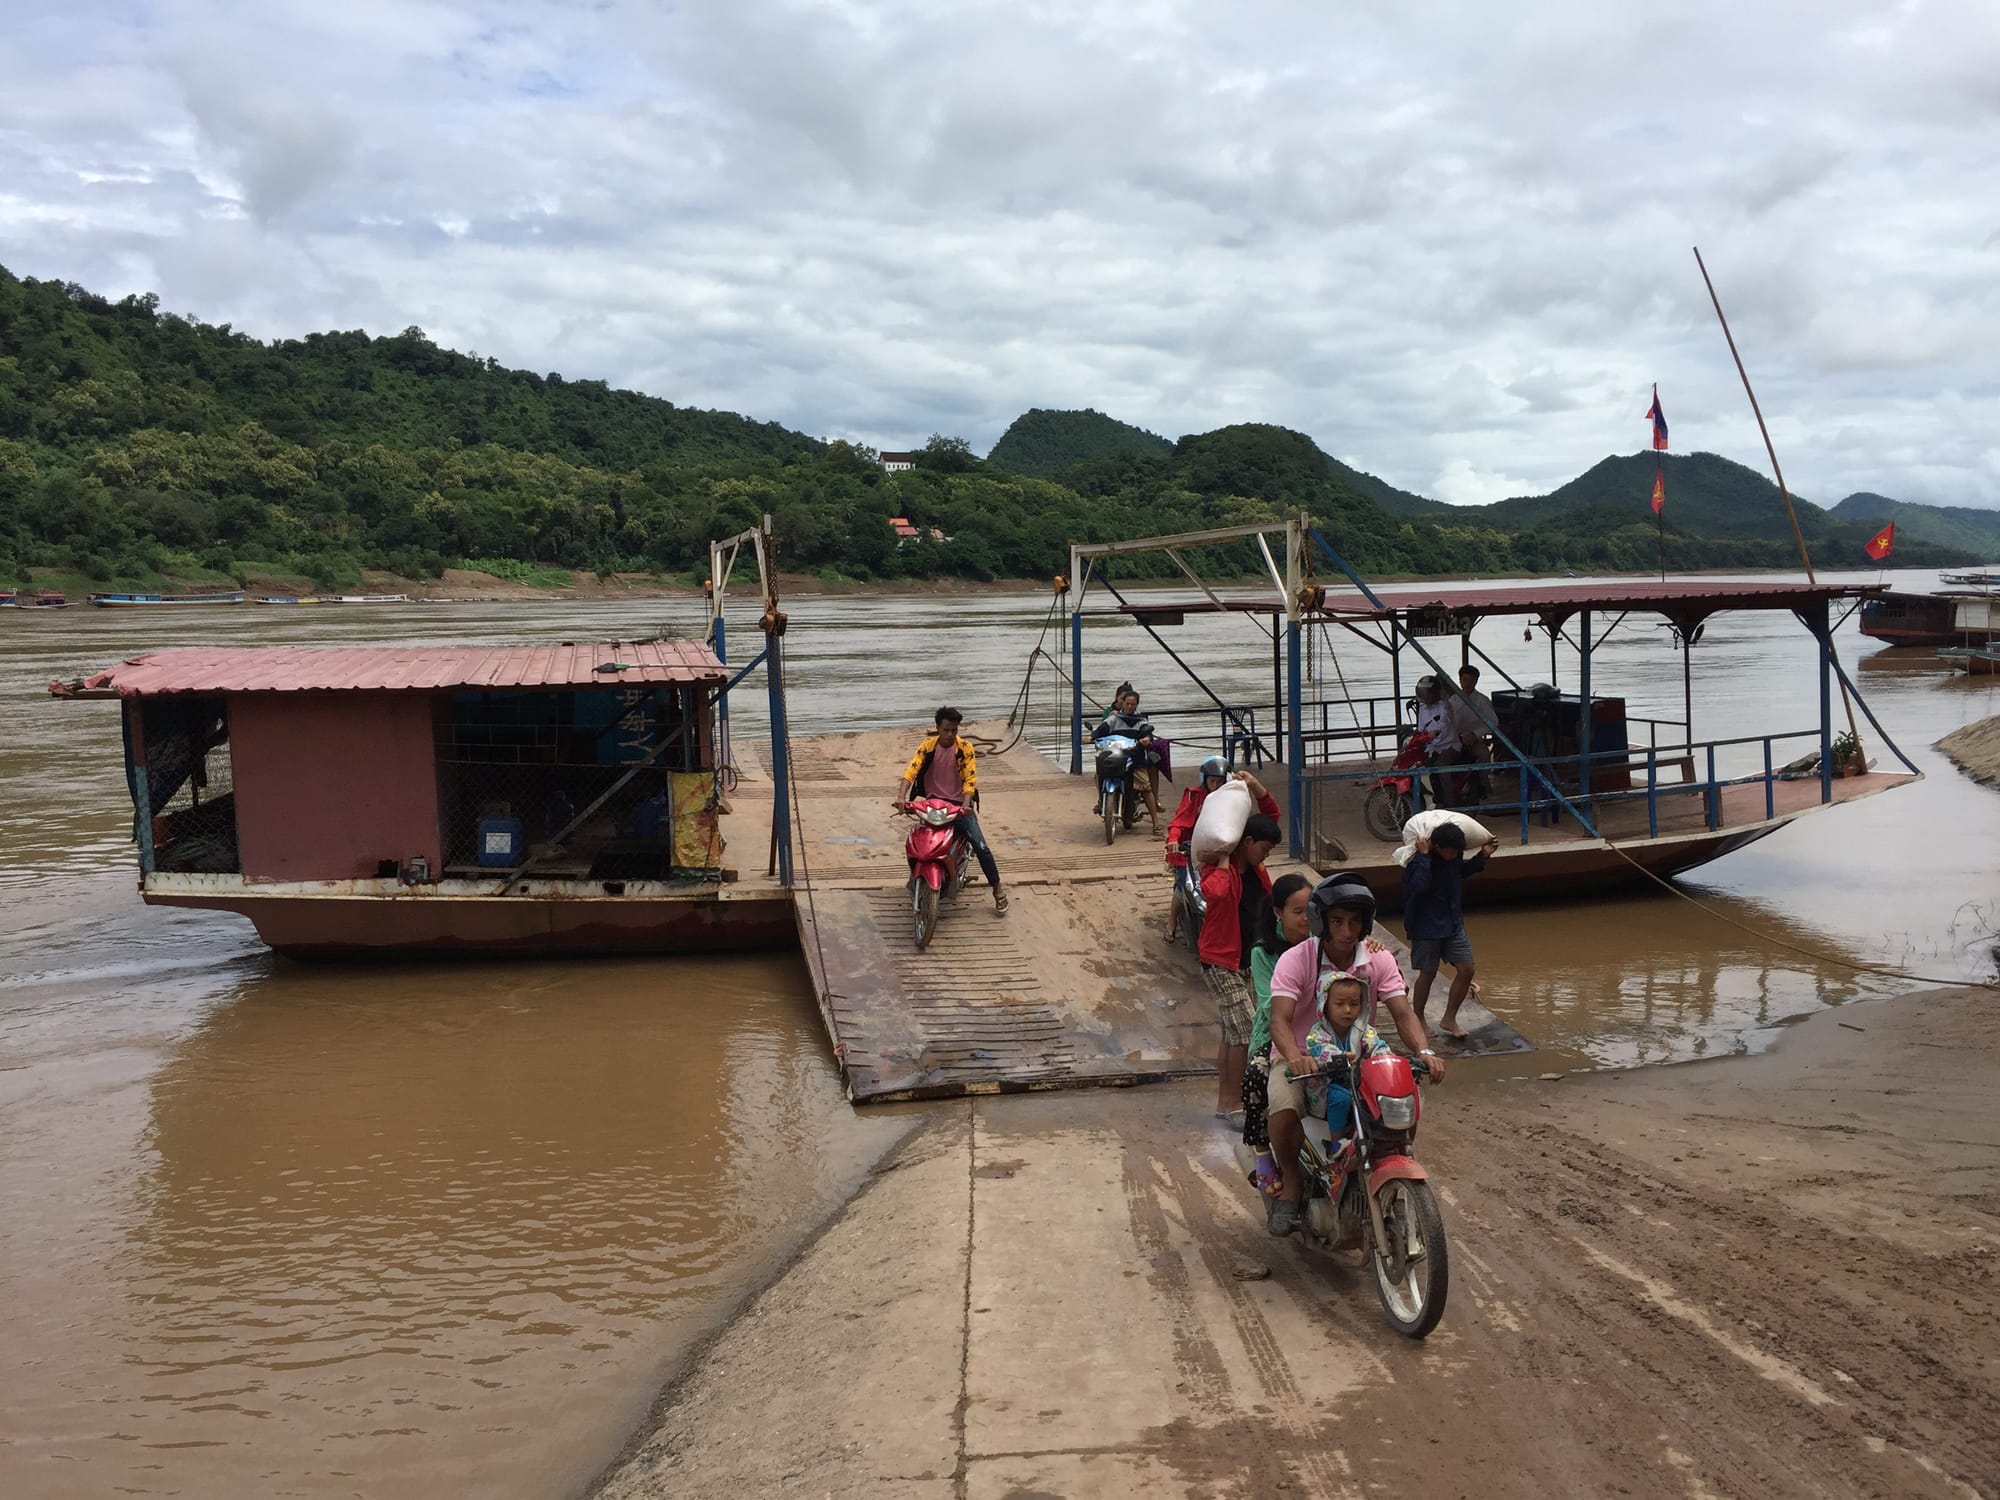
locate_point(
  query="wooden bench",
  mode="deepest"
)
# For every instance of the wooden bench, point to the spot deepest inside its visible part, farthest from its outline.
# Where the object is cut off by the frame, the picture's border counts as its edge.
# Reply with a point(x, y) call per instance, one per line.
point(1684, 763)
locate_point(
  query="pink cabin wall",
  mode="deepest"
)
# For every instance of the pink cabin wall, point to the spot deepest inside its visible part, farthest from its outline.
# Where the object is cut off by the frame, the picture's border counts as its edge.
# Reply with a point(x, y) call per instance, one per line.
point(329, 785)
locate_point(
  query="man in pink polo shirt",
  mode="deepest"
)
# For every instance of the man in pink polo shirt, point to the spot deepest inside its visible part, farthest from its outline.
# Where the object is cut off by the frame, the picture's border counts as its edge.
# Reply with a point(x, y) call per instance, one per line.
point(1340, 914)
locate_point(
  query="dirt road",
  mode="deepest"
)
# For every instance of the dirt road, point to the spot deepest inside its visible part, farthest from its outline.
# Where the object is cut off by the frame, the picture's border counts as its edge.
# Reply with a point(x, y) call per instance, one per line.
point(1771, 1276)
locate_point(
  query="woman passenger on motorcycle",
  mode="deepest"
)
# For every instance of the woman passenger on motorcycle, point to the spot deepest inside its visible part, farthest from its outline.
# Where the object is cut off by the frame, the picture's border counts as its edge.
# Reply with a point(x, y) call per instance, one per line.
point(1281, 925)
point(1340, 914)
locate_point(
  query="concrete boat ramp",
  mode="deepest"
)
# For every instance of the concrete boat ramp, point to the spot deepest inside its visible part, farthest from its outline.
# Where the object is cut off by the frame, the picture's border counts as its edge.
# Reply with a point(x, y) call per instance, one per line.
point(1075, 986)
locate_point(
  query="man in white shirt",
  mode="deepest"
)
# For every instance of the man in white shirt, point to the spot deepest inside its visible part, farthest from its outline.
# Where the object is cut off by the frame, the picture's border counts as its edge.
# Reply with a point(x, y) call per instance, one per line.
point(1472, 716)
point(1435, 717)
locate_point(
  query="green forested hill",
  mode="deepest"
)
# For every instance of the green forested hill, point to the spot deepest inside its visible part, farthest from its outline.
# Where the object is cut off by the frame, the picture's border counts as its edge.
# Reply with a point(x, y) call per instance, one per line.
point(1959, 526)
point(1044, 443)
point(138, 447)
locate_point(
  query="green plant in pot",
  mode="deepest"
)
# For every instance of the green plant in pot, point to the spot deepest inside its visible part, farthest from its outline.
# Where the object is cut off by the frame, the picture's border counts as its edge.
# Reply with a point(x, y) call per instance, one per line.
point(1847, 757)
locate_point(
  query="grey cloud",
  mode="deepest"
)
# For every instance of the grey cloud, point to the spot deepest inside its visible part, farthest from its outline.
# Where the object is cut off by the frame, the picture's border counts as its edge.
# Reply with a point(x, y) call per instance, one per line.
point(1450, 242)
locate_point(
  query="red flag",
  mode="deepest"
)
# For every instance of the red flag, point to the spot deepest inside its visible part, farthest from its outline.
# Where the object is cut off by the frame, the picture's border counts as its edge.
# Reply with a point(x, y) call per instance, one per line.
point(1659, 424)
point(1882, 543)
point(1660, 493)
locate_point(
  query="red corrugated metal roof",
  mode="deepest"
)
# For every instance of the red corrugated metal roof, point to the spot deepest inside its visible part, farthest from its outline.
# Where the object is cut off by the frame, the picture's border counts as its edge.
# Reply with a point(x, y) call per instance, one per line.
point(1673, 596)
point(416, 669)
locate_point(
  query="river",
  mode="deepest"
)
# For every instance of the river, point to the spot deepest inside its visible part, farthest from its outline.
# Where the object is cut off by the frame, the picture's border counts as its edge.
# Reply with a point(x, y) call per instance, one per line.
point(270, 1229)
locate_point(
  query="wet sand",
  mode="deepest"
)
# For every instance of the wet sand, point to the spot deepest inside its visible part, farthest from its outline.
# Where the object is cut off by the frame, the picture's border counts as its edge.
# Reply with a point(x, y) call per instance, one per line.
point(1975, 750)
point(1767, 1275)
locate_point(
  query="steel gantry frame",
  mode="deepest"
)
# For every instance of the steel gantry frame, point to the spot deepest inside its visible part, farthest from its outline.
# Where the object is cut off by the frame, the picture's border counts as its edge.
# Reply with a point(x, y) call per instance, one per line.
point(1291, 584)
point(722, 557)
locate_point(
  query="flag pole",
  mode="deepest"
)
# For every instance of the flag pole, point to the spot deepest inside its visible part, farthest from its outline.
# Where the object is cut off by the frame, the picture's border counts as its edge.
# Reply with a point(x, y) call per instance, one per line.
point(1659, 514)
point(1783, 493)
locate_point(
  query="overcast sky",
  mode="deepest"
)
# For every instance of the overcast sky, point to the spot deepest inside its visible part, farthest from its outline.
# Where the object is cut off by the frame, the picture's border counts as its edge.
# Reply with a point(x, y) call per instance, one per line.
point(1449, 240)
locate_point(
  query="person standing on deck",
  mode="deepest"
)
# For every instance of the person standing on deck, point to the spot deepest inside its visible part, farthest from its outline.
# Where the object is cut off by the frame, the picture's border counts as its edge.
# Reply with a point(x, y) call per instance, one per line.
point(1235, 890)
point(1435, 718)
point(945, 767)
point(1472, 711)
point(1434, 918)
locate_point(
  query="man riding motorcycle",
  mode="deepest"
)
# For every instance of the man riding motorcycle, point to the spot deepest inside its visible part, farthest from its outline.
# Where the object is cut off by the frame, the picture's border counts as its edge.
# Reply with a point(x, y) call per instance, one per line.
point(1340, 914)
point(1124, 718)
point(947, 768)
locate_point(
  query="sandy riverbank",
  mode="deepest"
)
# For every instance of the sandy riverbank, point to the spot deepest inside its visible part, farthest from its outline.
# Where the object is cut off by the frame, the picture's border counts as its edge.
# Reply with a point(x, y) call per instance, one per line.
point(1975, 750)
point(1772, 1275)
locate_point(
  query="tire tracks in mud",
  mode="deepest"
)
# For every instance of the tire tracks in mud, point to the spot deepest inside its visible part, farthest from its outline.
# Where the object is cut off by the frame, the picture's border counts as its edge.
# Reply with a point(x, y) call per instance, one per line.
point(1863, 1384)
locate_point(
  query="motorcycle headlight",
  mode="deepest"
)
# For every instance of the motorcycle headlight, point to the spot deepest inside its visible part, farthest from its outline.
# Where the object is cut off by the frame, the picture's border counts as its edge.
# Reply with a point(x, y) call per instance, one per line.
point(937, 817)
point(1399, 1111)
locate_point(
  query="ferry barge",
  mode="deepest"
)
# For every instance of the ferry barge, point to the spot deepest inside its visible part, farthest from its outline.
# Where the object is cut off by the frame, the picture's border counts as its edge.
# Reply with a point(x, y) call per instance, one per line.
point(469, 799)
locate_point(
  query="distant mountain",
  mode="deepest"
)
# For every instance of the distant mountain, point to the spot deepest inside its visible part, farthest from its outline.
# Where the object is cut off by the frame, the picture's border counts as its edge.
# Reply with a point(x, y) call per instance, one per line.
point(1975, 531)
point(1706, 496)
point(1396, 502)
point(1042, 444)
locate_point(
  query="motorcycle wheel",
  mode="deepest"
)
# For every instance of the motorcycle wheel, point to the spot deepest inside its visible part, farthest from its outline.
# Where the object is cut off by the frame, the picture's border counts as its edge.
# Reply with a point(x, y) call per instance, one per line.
point(1379, 813)
point(1413, 1271)
point(1110, 817)
point(927, 916)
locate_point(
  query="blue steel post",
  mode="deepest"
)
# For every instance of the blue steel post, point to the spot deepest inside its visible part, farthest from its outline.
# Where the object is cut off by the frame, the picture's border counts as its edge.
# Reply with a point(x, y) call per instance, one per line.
point(1817, 623)
point(722, 698)
point(1295, 741)
point(136, 779)
point(781, 758)
point(1585, 729)
point(1076, 689)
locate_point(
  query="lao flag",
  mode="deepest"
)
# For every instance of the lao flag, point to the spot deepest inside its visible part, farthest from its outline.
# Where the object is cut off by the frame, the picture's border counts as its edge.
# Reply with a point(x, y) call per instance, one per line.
point(1659, 428)
point(1882, 543)
point(1660, 494)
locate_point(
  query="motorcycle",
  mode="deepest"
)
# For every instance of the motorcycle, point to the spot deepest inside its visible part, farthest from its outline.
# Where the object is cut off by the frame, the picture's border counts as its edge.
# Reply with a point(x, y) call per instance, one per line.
point(1389, 805)
point(1189, 905)
point(1119, 760)
point(940, 860)
point(1366, 1192)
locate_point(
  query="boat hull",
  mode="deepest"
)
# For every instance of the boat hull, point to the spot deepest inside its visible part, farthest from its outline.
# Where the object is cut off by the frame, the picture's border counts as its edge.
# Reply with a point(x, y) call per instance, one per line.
point(334, 926)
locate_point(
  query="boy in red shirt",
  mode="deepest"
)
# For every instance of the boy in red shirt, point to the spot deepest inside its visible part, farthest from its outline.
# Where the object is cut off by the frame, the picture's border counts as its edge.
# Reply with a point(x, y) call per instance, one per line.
point(1233, 890)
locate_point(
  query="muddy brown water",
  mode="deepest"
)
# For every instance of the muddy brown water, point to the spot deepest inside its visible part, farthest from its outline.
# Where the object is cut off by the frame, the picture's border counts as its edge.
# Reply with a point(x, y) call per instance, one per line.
point(441, 1228)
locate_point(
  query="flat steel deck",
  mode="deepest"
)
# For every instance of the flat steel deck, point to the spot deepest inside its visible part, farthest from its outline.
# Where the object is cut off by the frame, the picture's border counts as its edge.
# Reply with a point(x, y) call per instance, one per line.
point(1075, 985)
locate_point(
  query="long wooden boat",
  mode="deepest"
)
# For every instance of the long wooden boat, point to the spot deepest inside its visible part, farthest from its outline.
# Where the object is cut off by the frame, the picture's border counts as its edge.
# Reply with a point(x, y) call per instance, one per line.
point(166, 601)
point(1962, 614)
point(8, 599)
point(1980, 661)
point(369, 800)
point(282, 599)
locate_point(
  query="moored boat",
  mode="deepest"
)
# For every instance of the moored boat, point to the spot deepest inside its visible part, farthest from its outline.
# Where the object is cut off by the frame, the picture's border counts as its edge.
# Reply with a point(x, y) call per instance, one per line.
point(366, 800)
point(1980, 661)
point(7, 599)
point(50, 599)
point(166, 601)
point(1907, 619)
point(1582, 795)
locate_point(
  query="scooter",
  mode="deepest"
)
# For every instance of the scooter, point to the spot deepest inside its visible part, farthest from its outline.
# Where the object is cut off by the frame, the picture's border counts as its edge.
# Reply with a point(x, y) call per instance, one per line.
point(1189, 905)
point(1365, 1192)
point(940, 860)
point(1389, 806)
point(1118, 762)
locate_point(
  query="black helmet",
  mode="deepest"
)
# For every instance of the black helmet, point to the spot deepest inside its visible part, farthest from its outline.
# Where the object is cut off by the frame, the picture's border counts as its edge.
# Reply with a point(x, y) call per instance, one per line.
point(1345, 889)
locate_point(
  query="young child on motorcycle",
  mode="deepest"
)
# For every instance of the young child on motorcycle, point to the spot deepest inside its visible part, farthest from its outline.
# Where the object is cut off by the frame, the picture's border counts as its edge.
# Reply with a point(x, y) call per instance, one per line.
point(1327, 1047)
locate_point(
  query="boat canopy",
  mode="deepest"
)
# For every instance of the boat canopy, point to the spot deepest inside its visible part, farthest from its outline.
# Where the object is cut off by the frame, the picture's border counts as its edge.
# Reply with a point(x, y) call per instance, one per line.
point(208, 670)
point(1684, 601)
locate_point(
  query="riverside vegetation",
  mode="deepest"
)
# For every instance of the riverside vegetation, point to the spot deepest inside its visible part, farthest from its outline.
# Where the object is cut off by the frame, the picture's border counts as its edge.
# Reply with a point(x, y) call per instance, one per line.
point(138, 447)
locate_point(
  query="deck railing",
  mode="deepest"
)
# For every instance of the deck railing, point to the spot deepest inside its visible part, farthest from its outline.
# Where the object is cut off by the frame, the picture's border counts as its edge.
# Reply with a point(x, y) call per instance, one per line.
point(1572, 774)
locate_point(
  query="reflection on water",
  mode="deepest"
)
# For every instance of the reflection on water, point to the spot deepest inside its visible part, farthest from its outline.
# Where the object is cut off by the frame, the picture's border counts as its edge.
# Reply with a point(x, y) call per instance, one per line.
point(439, 1228)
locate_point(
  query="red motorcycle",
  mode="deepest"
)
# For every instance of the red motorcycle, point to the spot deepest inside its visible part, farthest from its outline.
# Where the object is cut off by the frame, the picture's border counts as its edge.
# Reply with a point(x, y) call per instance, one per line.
point(940, 859)
point(1389, 806)
point(1365, 1192)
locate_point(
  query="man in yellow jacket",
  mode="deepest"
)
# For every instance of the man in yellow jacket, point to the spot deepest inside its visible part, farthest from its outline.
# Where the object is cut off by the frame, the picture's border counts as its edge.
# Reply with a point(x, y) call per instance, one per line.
point(946, 767)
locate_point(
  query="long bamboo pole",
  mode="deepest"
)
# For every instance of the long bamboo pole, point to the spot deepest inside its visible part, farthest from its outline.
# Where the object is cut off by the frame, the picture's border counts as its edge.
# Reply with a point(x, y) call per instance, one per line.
point(1791, 514)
